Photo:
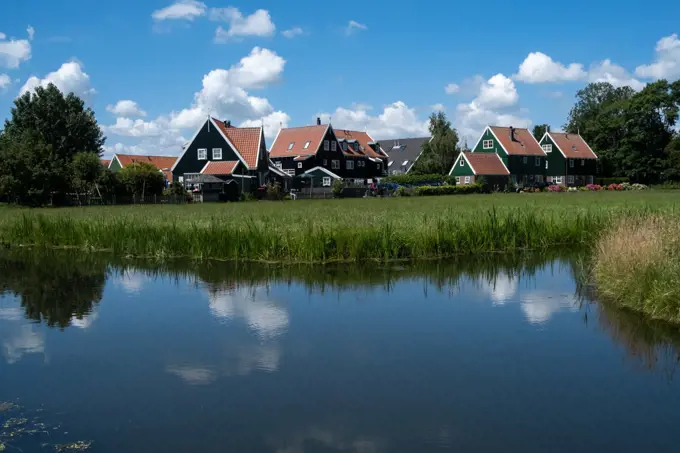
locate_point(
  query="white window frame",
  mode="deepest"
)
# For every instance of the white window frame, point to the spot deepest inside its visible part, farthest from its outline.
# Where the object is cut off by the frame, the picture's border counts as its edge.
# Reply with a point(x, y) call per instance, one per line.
point(290, 145)
point(307, 143)
point(546, 164)
point(557, 179)
point(570, 179)
point(278, 164)
point(538, 161)
point(457, 179)
point(334, 146)
point(289, 171)
point(571, 163)
point(539, 178)
point(217, 153)
point(326, 181)
point(325, 162)
point(525, 159)
point(467, 180)
point(299, 164)
point(202, 154)
point(462, 162)
point(547, 148)
point(487, 144)
point(326, 145)
point(583, 162)
point(335, 164)
point(349, 165)
point(389, 164)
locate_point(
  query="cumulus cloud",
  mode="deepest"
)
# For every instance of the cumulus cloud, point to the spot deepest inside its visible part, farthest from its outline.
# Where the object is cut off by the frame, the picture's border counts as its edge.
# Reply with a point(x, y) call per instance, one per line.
point(69, 78)
point(292, 32)
point(182, 10)
point(539, 306)
point(495, 104)
point(5, 81)
point(538, 67)
point(396, 120)
point(257, 24)
point(452, 88)
point(136, 128)
point(24, 341)
point(84, 322)
point(354, 26)
point(272, 124)
point(31, 33)
point(606, 71)
point(126, 108)
point(193, 375)
point(14, 51)
point(667, 60)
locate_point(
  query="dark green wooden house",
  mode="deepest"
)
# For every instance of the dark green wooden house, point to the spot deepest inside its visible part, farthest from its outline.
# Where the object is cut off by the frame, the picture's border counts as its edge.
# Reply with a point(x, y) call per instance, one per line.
point(469, 167)
point(570, 161)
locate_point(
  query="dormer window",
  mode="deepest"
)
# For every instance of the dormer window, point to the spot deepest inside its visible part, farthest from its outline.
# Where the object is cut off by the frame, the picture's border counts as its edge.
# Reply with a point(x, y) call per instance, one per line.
point(307, 145)
point(290, 146)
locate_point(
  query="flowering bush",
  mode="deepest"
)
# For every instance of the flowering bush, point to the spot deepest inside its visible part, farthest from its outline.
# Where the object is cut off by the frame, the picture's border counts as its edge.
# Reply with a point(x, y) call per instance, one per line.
point(556, 188)
point(594, 187)
point(638, 187)
point(615, 187)
point(572, 189)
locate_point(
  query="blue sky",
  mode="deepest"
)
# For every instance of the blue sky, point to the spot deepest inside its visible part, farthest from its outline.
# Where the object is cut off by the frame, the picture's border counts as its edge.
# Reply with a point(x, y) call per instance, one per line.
point(378, 66)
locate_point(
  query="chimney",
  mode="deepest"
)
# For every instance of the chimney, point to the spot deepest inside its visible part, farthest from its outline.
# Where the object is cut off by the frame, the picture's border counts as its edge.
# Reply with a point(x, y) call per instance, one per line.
point(227, 123)
point(512, 133)
point(318, 121)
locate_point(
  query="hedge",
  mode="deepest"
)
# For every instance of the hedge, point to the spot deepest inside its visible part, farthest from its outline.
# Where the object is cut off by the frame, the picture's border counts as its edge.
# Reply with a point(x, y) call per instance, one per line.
point(412, 180)
point(608, 181)
point(449, 190)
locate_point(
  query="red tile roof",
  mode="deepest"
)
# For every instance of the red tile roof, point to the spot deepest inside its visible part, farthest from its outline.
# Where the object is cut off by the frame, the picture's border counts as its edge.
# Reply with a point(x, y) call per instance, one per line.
point(572, 145)
point(362, 137)
point(163, 163)
point(523, 144)
point(298, 136)
point(105, 162)
point(246, 140)
point(224, 167)
point(486, 163)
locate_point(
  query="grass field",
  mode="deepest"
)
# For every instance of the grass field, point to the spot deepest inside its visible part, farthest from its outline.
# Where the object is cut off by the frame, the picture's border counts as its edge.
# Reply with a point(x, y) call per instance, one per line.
point(337, 230)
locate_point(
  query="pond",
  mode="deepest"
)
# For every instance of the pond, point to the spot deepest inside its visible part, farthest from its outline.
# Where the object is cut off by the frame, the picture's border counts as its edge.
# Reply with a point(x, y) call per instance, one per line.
point(503, 353)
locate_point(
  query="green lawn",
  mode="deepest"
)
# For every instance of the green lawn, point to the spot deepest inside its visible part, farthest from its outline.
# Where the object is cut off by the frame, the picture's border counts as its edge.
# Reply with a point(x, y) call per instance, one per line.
point(327, 230)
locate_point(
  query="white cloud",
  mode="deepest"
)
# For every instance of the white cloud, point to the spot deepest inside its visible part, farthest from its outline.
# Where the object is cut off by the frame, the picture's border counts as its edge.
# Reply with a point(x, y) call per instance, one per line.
point(69, 78)
point(11, 314)
point(31, 33)
point(85, 322)
point(438, 107)
point(495, 104)
point(667, 61)
point(5, 81)
point(14, 52)
point(606, 71)
point(257, 24)
point(538, 306)
point(126, 108)
point(538, 67)
point(193, 375)
point(136, 128)
point(25, 341)
point(130, 282)
point(353, 26)
point(272, 124)
point(292, 32)
point(182, 10)
point(502, 289)
point(396, 120)
point(452, 88)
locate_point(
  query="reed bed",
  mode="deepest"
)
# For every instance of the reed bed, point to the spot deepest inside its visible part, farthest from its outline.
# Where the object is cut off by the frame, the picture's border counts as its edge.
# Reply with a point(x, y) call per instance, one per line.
point(335, 230)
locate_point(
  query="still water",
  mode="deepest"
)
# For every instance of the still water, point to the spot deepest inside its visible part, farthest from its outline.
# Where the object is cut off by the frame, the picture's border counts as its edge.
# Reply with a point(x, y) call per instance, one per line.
point(498, 355)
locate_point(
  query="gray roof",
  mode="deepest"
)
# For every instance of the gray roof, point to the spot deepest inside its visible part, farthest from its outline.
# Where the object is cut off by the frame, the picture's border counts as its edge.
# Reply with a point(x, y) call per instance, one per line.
point(402, 151)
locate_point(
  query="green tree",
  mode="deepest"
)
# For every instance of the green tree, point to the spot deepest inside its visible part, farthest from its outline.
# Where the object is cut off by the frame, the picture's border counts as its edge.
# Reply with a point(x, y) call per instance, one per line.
point(87, 170)
point(540, 130)
point(142, 179)
point(440, 153)
point(27, 169)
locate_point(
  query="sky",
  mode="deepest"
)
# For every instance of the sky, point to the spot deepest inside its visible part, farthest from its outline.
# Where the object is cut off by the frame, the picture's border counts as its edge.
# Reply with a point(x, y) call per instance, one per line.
point(153, 70)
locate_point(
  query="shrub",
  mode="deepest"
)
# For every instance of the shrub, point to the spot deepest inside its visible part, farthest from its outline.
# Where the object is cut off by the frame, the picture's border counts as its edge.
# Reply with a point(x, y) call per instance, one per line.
point(448, 190)
point(338, 186)
point(556, 188)
point(402, 192)
point(274, 191)
point(594, 187)
point(609, 181)
point(638, 186)
point(415, 180)
point(615, 187)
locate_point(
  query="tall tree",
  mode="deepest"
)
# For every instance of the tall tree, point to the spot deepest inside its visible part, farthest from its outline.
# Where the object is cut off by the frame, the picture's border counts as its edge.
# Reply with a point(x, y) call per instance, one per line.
point(142, 179)
point(87, 170)
point(540, 130)
point(440, 153)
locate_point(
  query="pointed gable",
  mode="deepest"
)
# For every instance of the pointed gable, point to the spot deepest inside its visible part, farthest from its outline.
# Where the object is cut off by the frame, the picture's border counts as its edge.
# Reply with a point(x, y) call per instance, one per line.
point(291, 141)
point(245, 140)
point(572, 146)
point(517, 141)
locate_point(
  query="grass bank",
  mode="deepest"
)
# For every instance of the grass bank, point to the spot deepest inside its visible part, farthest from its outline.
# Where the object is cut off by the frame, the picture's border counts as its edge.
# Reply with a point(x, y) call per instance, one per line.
point(336, 230)
point(637, 266)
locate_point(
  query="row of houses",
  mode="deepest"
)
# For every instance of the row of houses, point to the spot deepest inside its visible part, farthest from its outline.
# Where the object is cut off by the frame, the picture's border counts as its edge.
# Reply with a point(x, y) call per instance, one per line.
point(221, 159)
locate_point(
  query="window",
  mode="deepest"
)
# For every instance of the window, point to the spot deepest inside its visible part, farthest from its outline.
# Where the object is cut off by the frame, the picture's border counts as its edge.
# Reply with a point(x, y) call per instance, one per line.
point(547, 148)
point(344, 146)
point(217, 153)
point(467, 180)
point(334, 146)
point(202, 153)
point(363, 164)
point(326, 181)
point(571, 163)
point(488, 144)
point(278, 164)
point(539, 178)
point(290, 145)
point(570, 179)
point(350, 165)
point(583, 162)
point(335, 164)
point(325, 162)
point(326, 145)
point(591, 179)
point(377, 165)
point(289, 172)
point(299, 164)
point(404, 163)
point(306, 145)
point(457, 179)
point(525, 159)
point(389, 164)
point(462, 162)
point(557, 180)
point(546, 164)
point(538, 161)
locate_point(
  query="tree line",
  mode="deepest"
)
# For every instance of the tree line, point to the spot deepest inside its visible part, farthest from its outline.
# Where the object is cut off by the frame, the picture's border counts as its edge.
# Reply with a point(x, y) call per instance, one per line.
point(51, 148)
